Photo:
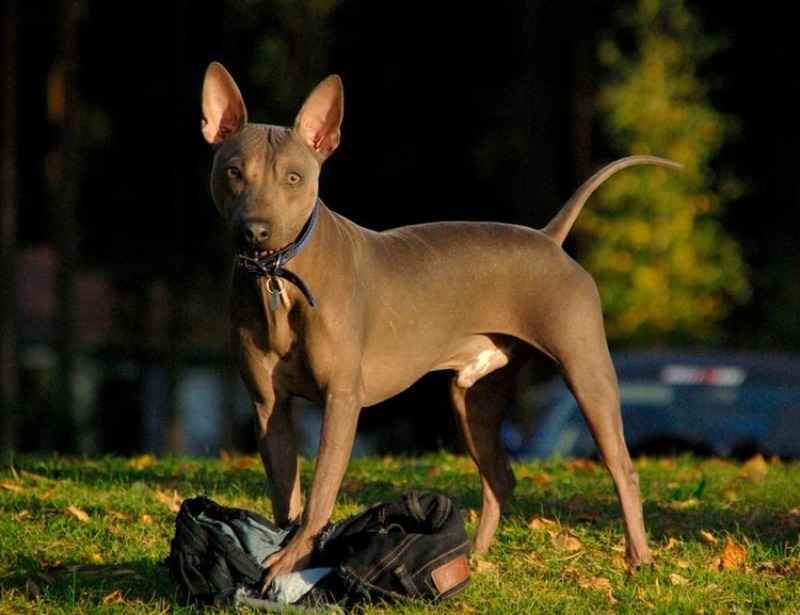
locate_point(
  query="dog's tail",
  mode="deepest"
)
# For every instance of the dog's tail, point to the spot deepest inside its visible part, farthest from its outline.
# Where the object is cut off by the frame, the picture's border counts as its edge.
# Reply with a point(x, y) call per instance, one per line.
point(562, 222)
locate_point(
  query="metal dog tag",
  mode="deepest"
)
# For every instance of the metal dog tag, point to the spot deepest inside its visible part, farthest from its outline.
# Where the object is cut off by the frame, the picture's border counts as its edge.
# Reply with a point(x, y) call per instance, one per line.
point(274, 288)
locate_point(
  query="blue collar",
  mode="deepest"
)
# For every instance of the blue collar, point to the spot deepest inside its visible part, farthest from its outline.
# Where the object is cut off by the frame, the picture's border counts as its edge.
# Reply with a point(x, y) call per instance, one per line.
point(272, 266)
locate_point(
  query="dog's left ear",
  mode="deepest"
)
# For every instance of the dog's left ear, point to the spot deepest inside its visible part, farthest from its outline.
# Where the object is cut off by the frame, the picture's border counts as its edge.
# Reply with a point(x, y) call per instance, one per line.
point(319, 121)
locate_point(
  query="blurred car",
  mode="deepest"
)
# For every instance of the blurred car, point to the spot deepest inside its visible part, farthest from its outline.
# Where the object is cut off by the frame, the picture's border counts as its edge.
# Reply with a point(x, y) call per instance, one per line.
point(708, 403)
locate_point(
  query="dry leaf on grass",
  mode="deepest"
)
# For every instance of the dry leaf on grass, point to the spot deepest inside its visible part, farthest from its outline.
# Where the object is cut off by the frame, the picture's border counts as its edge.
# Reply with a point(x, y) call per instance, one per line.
point(566, 541)
point(141, 462)
point(540, 524)
point(708, 538)
point(481, 566)
point(685, 504)
point(244, 463)
point(595, 583)
point(469, 515)
point(80, 514)
point(172, 500)
point(113, 597)
point(677, 579)
point(11, 486)
point(734, 556)
point(581, 465)
point(672, 543)
point(589, 582)
point(754, 469)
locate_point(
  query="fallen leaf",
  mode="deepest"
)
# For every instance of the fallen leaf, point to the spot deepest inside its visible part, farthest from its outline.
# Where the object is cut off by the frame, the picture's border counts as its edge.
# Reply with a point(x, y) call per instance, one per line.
point(620, 562)
point(685, 504)
point(32, 476)
point(540, 524)
point(244, 463)
point(11, 486)
point(708, 538)
point(754, 469)
point(566, 541)
point(677, 579)
point(481, 566)
point(141, 462)
point(734, 556)
point(672, 543)
point(80, 514)
point(594, 583)
point(470, 515)
point(172, 500)
point(113, 597)
point(148, 518)
point(581, 465)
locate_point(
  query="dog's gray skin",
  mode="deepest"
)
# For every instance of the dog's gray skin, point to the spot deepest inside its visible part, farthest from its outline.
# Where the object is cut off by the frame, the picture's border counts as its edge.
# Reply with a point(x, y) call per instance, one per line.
point(467, 297)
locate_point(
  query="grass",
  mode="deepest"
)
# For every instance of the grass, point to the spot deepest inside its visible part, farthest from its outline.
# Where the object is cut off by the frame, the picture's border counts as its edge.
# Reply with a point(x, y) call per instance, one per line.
point(88, 535)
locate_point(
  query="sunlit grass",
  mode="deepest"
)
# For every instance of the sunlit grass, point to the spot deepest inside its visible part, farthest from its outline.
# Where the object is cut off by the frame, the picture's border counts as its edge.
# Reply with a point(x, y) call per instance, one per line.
point(88, 535)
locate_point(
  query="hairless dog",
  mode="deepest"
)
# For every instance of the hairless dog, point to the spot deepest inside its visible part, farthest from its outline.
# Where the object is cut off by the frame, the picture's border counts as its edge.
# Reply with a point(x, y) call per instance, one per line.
point(346, 317)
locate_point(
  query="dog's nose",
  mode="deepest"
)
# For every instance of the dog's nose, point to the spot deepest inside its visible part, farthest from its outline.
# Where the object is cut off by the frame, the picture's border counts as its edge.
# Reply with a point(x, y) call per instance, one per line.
point(255, 234)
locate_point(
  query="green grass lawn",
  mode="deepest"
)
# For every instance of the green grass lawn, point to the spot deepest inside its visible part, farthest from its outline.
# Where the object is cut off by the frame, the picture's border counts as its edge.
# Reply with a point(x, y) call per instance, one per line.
point(88, 535)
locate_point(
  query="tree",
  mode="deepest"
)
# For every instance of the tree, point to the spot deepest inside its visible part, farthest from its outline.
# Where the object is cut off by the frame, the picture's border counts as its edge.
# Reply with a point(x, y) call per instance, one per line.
point(667, 270)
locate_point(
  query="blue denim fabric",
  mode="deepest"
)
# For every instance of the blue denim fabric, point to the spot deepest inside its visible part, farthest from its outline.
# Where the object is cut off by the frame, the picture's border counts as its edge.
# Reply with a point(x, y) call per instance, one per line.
point(394, 550)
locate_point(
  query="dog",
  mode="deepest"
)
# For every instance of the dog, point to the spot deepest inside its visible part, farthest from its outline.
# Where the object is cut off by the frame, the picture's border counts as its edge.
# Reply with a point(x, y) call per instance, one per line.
point(347, 317)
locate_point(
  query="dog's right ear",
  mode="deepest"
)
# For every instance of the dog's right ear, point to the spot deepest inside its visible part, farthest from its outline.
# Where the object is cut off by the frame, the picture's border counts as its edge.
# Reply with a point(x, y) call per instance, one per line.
point(223, 108)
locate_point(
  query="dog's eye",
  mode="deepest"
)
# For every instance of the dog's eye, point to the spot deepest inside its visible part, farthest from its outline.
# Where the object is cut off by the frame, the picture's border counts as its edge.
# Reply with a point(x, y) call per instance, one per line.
point(293, 179)
point(233, 172)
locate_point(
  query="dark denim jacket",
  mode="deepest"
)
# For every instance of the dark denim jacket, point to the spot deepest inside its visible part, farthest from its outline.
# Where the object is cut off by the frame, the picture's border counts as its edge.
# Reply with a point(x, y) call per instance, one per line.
point(413, 547)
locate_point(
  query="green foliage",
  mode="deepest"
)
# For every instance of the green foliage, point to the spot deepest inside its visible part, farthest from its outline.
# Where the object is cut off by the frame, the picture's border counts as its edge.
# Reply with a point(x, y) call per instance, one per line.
point(87, 535)
point(666, 268)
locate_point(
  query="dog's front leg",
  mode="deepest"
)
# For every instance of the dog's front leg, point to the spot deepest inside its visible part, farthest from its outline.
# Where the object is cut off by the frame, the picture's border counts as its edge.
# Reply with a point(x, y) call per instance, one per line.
point(277, 446)
point(336, 443)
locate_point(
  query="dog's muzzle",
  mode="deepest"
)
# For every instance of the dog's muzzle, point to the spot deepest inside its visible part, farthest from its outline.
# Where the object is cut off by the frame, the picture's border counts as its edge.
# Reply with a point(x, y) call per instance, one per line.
point(271, 266)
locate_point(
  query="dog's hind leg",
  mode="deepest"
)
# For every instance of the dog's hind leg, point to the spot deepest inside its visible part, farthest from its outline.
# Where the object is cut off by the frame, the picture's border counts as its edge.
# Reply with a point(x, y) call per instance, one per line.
point(479, 410)
point(595, 388)
point(586, 365)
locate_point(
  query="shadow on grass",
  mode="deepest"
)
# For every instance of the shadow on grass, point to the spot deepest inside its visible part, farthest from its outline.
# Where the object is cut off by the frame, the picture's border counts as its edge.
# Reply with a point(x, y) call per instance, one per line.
point(83, 587)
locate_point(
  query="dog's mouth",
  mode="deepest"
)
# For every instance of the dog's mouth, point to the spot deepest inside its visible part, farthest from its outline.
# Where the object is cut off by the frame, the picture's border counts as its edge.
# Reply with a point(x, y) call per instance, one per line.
point(269, 263)
point(258, 253)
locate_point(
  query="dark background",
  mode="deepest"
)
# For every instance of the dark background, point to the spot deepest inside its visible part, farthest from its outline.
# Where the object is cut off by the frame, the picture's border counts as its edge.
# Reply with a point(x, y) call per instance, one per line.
point(450, 113)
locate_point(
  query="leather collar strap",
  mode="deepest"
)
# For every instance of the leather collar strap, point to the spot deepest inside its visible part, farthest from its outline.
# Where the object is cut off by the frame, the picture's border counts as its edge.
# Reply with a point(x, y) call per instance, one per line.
point(272, 266)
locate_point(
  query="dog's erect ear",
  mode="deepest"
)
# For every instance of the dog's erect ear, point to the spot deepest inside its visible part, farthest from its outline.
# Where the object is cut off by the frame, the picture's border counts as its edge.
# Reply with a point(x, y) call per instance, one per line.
point(319, 121)
point(223, 108)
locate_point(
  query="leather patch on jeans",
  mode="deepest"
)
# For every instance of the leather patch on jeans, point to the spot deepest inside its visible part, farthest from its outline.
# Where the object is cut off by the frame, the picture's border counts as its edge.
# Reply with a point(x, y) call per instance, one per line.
point(448, 575)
